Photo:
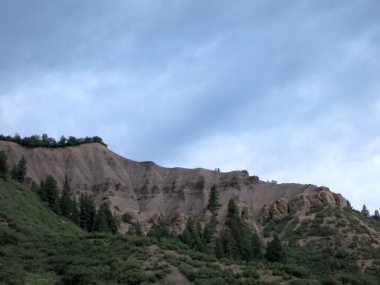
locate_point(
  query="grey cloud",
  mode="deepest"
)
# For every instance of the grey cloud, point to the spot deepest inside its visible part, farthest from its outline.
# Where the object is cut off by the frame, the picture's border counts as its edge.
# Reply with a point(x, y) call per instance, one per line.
point(159, 77)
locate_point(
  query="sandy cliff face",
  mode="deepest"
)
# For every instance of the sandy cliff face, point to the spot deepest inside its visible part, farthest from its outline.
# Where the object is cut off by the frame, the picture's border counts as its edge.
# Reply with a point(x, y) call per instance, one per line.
point(149, 191)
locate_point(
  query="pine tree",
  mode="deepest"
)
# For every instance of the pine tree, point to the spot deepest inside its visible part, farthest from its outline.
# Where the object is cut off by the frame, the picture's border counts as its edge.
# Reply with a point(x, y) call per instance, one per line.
point(376, 215)
point(21, 170)
point(192, 236)
point(42, 191)
point(51, 194)
point(365, 211)
point(274, 251)
point(86, 212)
point(3, 165)
point(104, 220)
point(65, 201)
point(210, 230)
point(256, 246)
point(229, 245)
point(238, 240)
point(100, 223)
point(219, 251)
point(213, 200)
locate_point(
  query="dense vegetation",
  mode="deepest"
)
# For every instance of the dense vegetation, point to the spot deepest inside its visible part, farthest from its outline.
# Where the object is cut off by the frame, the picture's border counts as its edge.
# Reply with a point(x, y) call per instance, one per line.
point(49, 142)
point(50, 238)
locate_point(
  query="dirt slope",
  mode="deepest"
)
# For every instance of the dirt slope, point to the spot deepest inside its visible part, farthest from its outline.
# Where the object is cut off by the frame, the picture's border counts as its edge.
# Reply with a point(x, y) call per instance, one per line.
point(147, 190)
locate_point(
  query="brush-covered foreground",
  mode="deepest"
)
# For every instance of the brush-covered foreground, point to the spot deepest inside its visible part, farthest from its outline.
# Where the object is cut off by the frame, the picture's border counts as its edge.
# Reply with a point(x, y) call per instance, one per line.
point(323, 246)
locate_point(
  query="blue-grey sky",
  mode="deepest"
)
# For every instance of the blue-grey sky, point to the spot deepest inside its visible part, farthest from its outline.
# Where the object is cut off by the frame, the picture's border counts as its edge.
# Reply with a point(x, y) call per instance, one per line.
point(289, 90)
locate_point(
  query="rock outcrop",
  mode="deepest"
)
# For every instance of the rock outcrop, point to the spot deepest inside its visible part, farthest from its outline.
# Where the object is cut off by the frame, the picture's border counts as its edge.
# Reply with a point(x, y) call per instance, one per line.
point(284, 206)
point(148, 191)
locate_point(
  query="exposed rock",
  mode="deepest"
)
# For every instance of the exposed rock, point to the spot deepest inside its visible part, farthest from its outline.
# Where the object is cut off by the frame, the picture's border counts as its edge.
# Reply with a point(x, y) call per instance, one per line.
point(177, 221)
point(152, 192)
point(282, 207)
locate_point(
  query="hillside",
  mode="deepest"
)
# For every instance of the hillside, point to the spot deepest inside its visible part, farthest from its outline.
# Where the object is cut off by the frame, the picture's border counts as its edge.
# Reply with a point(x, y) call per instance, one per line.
point(326, 246)
point(149, 192)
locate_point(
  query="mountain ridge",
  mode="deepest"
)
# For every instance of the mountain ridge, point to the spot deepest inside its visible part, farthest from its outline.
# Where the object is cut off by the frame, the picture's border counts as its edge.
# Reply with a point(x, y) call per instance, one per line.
point(148, 191)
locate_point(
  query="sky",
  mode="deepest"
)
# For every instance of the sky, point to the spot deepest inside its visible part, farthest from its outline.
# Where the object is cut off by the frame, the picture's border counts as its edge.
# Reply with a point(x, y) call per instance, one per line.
point(288, 90)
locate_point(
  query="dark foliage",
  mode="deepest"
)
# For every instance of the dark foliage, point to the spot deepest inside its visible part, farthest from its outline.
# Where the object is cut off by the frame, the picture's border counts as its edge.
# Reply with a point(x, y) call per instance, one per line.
point(237, 240)
point(213, 203)
point(65, 200)
point(49, 193)
point(274, 251)
point(86, 212)
point(365, 211)
point(19, 170)
point(3, 165)
point(46, 141)
point(376, 215)
point(104, 220)
point(192, 236)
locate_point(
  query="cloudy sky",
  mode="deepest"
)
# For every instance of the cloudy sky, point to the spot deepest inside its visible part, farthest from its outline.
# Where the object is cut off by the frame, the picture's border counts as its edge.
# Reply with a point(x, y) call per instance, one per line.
point(289, 90)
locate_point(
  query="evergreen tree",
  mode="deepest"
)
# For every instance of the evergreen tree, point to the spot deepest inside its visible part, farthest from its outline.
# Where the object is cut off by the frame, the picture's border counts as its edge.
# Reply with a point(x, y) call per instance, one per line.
point(376, 215)
point(159, 230)
point(192, 236)
point(219, 251)
point(35, 187)
point(365, 211)
point(86, 212)
point(256, 246)
point(274, 251)
point(65, 201)
point(74, 216)
point(213, 200)
point(3, 165)
point(238, 240)
point(210, 230)
point(100, 223)
point(104, 220)
point(50, 191)
point(42, 191)
point(20, 170)
point(229, 245)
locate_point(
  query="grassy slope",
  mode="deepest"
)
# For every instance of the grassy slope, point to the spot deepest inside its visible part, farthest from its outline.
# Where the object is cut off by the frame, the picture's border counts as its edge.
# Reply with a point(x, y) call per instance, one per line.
point(25, 224)
point(338, 242)
point(37, 247)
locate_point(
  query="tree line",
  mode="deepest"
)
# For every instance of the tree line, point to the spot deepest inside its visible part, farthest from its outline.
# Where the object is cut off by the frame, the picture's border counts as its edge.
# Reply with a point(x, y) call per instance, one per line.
point(49, 142)
point(236, 239)
point(83, 212)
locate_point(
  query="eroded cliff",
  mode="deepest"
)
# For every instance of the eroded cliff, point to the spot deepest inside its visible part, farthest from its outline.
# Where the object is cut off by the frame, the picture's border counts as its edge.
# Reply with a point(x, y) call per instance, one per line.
point(148, 191)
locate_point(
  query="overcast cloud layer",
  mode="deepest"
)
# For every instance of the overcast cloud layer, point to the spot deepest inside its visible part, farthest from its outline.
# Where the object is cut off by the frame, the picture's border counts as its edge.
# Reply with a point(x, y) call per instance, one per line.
point(289, 90)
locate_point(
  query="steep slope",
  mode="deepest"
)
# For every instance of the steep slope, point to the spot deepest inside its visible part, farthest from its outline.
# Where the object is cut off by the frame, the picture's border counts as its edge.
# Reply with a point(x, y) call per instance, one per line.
point(37, 247)
point(149, 191)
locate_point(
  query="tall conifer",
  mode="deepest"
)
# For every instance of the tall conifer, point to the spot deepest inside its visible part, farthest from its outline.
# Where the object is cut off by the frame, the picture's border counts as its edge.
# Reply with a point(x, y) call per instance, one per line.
point(66, 201)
